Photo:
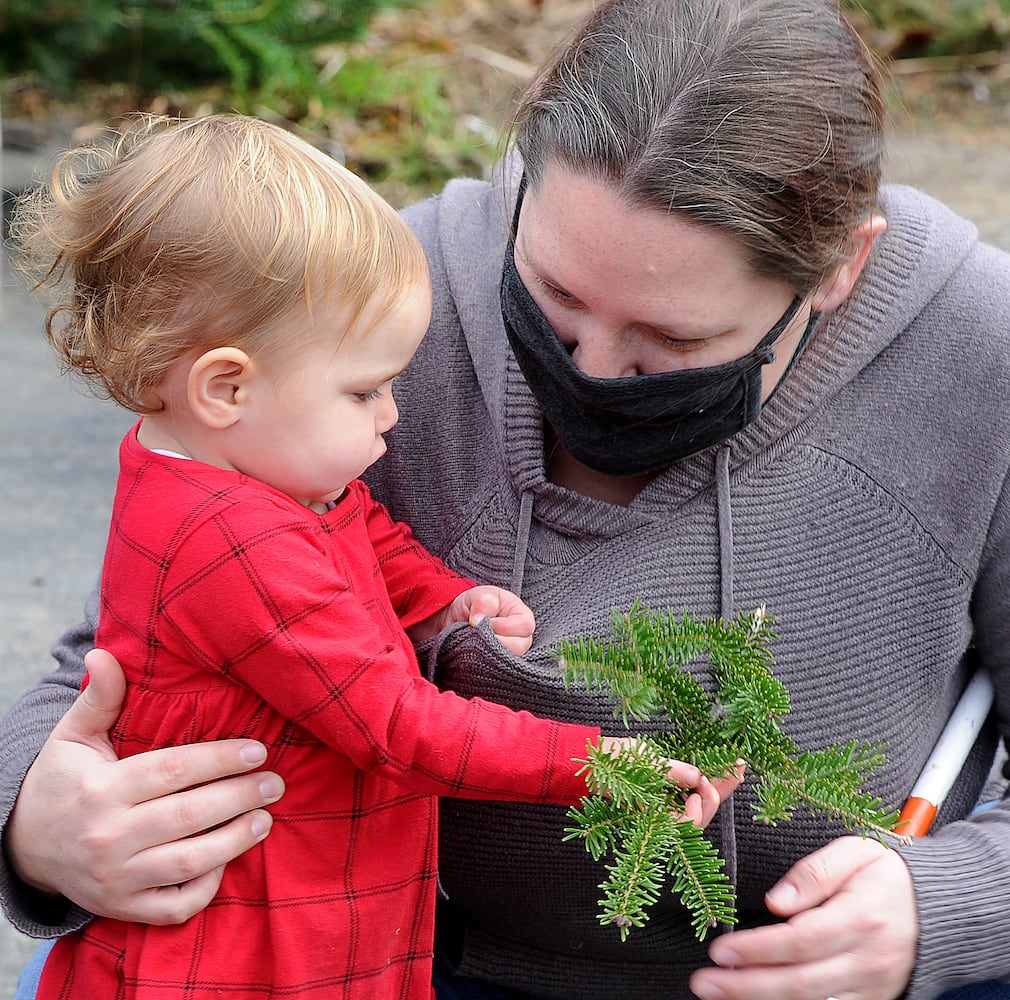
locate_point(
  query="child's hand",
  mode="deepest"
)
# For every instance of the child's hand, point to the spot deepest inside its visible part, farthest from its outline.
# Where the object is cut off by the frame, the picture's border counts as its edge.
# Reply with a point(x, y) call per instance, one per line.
point(703, 803)
point(511, 620)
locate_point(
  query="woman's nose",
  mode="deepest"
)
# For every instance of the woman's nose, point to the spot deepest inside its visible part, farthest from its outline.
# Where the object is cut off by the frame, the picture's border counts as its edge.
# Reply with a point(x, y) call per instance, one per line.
point(601, 354)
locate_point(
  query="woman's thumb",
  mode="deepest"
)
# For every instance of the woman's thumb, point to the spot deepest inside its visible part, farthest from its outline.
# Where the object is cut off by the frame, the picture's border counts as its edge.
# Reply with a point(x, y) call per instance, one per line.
point(96, 710)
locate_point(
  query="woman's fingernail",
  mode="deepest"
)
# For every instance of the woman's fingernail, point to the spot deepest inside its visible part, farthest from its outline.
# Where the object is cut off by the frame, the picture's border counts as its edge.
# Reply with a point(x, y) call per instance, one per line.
point(783, 895)
point(271, 788)
point(260, 826)
point(728, 958)
point(253, 753)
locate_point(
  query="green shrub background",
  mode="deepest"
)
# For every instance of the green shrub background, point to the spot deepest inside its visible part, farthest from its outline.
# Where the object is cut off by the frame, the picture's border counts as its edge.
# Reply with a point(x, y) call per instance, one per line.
point(391, 110)
point(260, 47)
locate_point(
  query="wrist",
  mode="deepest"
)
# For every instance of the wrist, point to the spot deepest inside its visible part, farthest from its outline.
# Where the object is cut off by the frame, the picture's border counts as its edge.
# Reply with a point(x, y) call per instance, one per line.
point(431, 626)
point(14, 858)
point(39, 904)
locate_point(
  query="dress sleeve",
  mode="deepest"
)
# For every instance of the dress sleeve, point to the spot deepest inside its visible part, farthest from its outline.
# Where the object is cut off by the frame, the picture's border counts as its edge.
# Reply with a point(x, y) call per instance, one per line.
point(274, 614)
point(419, 583)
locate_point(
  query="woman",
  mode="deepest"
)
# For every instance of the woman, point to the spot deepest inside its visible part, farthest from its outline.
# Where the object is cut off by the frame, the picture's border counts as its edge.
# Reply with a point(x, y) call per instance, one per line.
point(718, 369)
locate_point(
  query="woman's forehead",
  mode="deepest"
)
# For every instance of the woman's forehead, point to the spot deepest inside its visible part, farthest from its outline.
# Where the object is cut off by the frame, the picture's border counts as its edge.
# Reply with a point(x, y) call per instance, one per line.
point(581, 235)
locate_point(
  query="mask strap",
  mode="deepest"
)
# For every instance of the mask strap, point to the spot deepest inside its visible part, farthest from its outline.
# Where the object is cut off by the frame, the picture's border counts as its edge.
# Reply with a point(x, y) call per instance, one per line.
point(519, 204)
point(764, 351)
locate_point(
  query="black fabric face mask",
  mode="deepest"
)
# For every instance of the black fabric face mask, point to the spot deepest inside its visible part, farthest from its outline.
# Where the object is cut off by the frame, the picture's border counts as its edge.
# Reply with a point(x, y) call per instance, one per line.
point(641, 423)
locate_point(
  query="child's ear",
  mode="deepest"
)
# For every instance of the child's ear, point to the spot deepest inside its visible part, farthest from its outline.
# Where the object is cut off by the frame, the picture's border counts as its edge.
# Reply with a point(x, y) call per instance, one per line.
point(836, 288)
point(214, 387)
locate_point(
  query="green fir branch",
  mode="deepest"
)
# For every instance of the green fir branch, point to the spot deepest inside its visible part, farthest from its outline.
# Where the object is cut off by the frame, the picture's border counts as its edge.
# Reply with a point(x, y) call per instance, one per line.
point(636, 776)
point(634, 817)
point(637, 874)
point(700, 882)
point(633, 814)
point(826, 782)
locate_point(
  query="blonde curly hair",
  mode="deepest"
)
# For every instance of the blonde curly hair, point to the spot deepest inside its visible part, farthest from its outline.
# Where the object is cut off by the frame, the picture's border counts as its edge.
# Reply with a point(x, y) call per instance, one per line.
point(185, 235)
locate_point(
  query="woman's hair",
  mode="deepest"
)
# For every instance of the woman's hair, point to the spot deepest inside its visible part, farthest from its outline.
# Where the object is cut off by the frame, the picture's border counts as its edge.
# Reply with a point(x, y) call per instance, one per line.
point(186, 235)
point(762, 118)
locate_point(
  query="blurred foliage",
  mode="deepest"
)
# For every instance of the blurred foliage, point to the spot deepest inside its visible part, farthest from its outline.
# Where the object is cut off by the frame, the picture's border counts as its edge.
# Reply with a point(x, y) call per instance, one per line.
point(924, 28)
point(264, 49)
point(397, 126)
point(381, 106)
point(407, 92)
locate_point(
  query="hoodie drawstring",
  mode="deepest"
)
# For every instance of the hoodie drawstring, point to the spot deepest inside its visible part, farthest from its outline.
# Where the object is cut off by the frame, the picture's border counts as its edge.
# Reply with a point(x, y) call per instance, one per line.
point(522, 542)
point(726, 569)
point(727, 825)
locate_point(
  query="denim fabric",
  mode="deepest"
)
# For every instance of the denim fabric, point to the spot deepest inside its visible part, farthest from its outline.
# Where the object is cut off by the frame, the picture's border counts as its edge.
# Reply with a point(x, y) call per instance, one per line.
point(989, 990)
point(28, 981)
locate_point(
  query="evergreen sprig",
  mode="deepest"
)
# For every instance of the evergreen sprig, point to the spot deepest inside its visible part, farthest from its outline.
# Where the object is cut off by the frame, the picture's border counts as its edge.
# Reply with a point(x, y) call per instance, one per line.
point(633, 816)
point(633, 813)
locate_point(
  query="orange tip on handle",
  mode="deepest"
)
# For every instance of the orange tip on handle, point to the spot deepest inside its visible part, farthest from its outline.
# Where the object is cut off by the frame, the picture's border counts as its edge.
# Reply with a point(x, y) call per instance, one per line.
point(916, 817)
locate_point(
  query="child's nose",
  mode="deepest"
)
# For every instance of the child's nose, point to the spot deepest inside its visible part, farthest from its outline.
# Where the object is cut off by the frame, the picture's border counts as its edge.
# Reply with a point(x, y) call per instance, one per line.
point(388, 416)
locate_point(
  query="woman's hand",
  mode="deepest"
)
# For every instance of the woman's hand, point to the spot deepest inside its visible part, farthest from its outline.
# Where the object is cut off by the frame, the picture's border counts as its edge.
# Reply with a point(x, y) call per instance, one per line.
point(851, 932)
point(137, 839)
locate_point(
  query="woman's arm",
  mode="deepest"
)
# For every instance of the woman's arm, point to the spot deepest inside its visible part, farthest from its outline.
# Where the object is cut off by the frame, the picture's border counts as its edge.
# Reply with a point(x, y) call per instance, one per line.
point(118, 838)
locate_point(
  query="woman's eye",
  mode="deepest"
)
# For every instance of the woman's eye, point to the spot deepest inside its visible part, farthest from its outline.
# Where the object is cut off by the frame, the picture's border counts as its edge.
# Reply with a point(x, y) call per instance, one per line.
point(681, 346)
point(558, 294)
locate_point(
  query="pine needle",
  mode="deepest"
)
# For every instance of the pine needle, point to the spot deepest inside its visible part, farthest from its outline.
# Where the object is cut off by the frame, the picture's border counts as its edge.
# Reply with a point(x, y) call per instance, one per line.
point(633, 816)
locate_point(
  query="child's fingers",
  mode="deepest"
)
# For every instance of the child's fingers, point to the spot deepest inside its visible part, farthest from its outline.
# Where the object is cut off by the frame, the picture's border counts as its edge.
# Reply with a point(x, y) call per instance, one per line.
point(703, 802)
point(518, 624)
point(516, 644)
point(726, 786)
point(514, 632)
point(709, 800)
point(485, 604)
point(693, 810)
point(684, 775)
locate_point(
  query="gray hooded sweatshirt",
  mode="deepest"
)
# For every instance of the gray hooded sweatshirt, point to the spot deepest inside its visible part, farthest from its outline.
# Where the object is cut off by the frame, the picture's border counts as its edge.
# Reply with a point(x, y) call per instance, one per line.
point(867, 508)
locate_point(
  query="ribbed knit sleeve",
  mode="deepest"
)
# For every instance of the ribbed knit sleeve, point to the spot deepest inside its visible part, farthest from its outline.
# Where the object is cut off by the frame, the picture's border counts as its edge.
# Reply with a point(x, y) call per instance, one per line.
point(22, 732)
point(961, 872)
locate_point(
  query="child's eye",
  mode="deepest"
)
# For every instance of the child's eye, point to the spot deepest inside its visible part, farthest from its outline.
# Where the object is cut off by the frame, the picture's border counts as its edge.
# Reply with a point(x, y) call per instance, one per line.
point(371, 394)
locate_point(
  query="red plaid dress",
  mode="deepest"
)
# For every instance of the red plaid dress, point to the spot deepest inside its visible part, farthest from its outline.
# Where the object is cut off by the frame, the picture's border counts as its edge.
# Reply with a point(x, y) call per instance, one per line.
point(239, 613)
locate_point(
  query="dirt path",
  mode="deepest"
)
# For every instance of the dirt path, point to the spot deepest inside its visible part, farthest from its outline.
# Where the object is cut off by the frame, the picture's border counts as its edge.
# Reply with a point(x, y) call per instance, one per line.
point(968, 167)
